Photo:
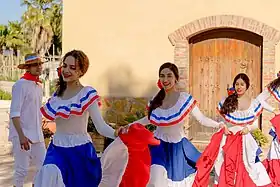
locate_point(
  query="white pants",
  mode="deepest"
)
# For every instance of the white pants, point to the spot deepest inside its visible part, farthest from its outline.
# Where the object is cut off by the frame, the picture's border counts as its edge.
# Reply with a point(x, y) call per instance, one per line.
point(23, 158)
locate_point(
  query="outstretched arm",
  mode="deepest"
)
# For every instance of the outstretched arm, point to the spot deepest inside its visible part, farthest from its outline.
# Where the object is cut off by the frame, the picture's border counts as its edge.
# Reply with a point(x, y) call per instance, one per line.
point(143, 121)
point(99, 123)
point(203, 120)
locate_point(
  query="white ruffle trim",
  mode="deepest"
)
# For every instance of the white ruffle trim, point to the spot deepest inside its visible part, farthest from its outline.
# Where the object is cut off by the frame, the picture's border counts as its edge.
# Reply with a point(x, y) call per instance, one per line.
point(49, 176)
point(70, 140)
point(159, 178)
point(245, 116)
point(175, 114)
point(56, 107)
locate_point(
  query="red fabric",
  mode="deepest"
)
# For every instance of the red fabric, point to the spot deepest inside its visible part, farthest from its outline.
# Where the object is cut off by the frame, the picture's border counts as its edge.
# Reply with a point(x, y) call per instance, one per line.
point(233, 171)
point(137, 140)
point(59, 70)
point(159, 84)
point(276, 124)
point(273, 170)
point(28, 76)
point(207, 159)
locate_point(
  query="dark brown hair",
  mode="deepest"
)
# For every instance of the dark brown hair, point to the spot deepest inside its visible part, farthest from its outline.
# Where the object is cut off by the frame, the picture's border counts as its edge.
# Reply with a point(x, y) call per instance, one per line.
point(157, 101)
point(231, 102)
point(83, 63)
point(275, 84)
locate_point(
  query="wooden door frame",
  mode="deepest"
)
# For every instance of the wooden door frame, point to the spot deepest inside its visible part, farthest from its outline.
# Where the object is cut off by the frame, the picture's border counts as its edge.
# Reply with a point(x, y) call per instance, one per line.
point(230, 33)
point(179, 39)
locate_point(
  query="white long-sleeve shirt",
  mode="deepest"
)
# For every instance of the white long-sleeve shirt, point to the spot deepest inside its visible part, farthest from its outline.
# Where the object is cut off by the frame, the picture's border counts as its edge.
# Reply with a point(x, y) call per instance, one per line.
point(26, 103)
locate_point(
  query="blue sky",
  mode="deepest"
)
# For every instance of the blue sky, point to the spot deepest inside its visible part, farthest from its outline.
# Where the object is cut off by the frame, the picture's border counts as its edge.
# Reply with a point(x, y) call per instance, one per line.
point(10, 10)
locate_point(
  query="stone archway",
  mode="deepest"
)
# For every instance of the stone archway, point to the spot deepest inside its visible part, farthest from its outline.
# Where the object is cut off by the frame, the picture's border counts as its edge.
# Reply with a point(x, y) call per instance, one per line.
point(180, 40)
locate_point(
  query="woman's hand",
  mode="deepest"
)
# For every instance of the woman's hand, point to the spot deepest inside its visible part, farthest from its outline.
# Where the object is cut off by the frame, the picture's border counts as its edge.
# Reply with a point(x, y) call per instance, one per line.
point(245, 131)
point(276, 111)
point(227, 132)
point(122, 129)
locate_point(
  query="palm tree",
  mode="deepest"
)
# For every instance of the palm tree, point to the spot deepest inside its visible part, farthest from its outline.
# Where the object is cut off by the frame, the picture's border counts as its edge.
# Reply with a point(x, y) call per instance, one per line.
point(36, 22)
point(11, 36)
point(15, 38)
point(56, 23)
point(3, 34)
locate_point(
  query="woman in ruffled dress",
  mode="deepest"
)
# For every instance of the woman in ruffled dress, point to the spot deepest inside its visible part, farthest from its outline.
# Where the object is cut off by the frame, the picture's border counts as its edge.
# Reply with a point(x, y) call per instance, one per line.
point(174, 160)
point(272, 162)
point(71, 158)
point(235, 156)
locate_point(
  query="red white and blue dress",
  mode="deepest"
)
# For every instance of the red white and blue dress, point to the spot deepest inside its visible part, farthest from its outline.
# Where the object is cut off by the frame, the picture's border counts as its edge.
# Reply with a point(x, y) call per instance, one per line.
point(71, 159)
point(272, 162)
point(126, 161)
point(235, 157)
point(173, 162)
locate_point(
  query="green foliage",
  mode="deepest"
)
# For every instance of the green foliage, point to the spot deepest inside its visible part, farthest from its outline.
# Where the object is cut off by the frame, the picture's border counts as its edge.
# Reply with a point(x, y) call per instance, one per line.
point(261, 139)
point(40, 27)
point(129, 118)
point(138, 115)
point(11, 36)
point(5, 95)
point(42, 24)
point(52, 86)
point(2, 78)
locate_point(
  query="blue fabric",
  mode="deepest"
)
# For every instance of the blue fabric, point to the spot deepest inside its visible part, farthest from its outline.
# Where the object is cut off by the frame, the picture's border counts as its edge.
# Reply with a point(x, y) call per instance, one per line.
point(273, 134)
point(178, 159)
point(79, 165)
point(259, 151)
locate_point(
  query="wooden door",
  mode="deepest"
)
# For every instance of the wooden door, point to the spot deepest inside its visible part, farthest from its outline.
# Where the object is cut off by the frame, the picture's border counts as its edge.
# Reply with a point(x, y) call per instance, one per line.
point(216, 57)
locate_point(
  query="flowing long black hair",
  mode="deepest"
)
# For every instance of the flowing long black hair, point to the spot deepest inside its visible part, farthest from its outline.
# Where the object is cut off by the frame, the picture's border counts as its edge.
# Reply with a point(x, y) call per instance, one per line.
point(157, 101)
point(231, 103)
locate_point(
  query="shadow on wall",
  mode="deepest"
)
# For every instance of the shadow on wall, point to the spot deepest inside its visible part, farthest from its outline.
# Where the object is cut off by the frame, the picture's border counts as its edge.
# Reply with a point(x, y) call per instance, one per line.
point(123, 83)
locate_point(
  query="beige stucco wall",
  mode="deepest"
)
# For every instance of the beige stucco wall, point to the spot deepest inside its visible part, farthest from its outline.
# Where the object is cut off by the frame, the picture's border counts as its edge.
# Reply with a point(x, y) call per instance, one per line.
point(126, 41)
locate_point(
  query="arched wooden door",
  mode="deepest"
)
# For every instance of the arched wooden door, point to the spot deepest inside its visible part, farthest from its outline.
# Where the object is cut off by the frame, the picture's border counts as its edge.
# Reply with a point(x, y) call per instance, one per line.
point(216, 57)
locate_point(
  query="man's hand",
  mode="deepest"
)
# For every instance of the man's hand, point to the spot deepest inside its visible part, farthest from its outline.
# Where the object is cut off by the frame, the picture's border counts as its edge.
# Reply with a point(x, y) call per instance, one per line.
point(24, 143)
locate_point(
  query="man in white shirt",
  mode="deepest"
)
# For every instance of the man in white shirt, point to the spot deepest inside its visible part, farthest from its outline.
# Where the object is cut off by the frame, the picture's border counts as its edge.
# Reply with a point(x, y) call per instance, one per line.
point(25, 131)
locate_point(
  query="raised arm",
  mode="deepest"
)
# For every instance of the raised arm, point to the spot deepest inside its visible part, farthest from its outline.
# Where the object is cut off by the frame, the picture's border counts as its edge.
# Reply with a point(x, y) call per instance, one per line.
point(203, 120)
point(262, 97)
point(98, 121)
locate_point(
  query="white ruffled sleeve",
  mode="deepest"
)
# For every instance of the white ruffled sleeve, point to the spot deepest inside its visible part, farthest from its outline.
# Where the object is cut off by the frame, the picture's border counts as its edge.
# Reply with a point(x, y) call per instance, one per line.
point(203, 120)
point(262, 97)
point(98, 121)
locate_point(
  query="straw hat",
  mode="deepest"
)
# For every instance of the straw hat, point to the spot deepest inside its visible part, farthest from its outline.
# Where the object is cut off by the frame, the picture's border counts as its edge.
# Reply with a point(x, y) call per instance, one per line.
point(29, 60)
